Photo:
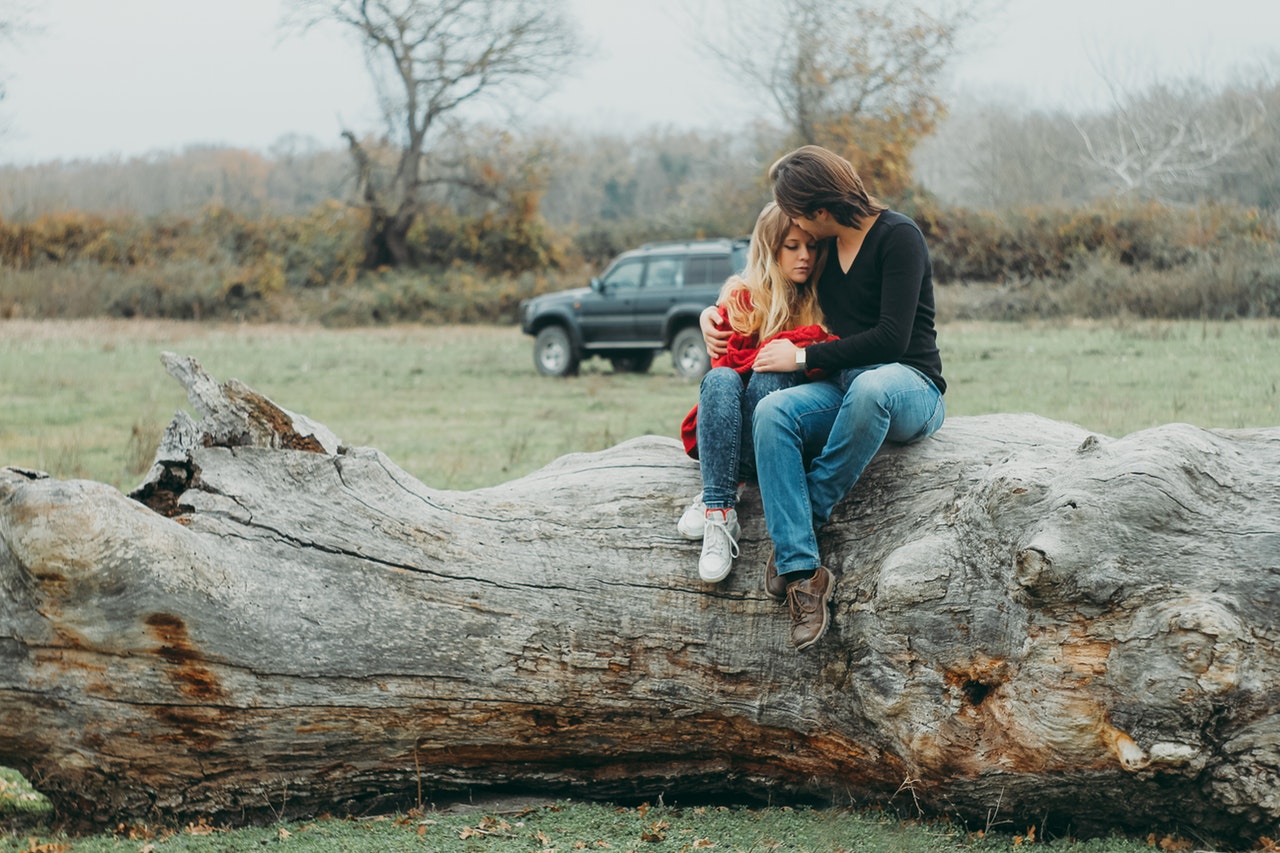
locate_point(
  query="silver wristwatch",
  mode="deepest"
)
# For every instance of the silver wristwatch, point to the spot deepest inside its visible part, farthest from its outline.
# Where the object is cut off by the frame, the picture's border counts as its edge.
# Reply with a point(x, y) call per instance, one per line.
point(800, 358)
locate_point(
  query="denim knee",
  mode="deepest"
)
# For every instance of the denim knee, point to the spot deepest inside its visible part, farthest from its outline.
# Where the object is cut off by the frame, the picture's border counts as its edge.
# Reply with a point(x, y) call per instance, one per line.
point(717, 377)
point(873, 386)
point(770, 417)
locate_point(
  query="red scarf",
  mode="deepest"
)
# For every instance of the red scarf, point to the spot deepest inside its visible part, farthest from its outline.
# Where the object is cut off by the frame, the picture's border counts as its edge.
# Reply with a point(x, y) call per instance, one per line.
point(740, 356)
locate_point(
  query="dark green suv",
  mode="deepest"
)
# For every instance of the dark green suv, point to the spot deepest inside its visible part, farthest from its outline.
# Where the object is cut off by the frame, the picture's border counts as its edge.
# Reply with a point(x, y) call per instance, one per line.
point(647, 300)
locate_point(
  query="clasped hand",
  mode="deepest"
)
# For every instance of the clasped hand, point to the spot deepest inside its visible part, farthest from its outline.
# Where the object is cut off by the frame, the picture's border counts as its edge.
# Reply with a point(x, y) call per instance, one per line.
point(777, 356)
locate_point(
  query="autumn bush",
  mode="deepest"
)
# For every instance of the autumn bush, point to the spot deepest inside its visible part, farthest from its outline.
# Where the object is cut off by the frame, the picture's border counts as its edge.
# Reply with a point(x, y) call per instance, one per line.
point(1147, 260)
point(223, 265)
point(969, 245)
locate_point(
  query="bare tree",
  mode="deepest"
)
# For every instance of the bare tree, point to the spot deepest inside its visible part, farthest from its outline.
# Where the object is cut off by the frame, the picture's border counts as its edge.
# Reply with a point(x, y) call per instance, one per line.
point(1252, 175)
point(1173, 141)
point(858, 76)
point(998, 154)
point(14, 20)
point(430, 58)
point(1169, 140)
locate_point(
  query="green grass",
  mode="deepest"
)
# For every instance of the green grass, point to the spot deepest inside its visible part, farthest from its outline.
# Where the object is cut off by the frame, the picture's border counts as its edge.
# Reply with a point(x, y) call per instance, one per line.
point(18, 800)
point(1116, 377)
point(461, 407)
point(565, 827)
point(458, 407)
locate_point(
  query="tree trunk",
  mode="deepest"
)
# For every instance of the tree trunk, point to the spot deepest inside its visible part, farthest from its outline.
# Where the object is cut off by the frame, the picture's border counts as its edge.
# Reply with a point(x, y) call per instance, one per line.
point(386, 237)
point(1031, 622)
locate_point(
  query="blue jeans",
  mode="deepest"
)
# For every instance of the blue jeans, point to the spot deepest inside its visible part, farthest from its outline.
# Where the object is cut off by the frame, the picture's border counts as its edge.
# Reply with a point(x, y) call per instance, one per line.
point(839, 423)
point(725, 449)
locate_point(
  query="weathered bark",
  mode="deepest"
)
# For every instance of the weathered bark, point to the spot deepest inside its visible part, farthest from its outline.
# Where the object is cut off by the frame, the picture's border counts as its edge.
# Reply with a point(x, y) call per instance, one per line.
point(1029, 618)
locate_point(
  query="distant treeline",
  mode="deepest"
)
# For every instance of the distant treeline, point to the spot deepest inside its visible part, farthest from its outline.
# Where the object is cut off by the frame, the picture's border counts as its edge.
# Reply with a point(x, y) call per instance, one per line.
point(1057, 210)
point(1176, 143)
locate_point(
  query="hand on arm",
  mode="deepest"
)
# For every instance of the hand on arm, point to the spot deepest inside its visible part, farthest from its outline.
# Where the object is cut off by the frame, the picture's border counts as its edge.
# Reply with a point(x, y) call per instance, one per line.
point(717, 339)
point(777, 356)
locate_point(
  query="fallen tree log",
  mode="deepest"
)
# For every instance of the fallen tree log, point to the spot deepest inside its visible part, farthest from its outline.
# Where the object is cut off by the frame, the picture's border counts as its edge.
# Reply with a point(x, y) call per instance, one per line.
point(1031, 621)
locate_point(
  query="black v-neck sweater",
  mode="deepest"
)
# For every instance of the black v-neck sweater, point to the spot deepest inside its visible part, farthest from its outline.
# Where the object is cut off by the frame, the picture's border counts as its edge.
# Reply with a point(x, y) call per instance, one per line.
point(882, 309)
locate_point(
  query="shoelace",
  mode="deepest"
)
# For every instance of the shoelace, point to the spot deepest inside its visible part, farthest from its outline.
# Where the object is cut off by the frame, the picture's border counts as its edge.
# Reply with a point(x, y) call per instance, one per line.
point(720, 521)
point(800, 601)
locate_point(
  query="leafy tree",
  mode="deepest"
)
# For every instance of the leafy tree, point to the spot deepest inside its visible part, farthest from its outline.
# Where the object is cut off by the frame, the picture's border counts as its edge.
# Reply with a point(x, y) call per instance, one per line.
point(857, 76)
point(429, 59)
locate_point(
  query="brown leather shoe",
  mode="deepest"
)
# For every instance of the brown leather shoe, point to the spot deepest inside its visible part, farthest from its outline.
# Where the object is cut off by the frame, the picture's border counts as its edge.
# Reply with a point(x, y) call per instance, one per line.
point(774, 586)
point(808, 600)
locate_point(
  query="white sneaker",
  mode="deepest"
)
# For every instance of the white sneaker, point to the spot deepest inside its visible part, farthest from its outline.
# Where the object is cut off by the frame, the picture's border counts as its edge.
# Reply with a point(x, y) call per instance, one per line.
point(693, 521)
point(719, 544)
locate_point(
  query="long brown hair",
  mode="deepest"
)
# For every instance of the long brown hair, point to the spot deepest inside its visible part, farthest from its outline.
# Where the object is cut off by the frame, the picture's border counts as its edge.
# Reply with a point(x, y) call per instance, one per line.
point(775, 303)
point(811, 178)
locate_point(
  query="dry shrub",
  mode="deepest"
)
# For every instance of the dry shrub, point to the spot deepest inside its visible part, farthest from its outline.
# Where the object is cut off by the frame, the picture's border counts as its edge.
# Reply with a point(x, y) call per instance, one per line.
point(1142, 260)
point(1234, 281)
point(971, 245)
point(460, 294)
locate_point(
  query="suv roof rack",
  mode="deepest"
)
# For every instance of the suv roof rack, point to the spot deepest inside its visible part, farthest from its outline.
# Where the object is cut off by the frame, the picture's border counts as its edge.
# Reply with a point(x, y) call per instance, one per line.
point(672, 244)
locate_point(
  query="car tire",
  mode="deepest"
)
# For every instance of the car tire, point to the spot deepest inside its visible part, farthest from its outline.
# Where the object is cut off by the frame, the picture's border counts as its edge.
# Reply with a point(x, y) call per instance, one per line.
point(632, 361)
point(689, 353)
point(554, 353)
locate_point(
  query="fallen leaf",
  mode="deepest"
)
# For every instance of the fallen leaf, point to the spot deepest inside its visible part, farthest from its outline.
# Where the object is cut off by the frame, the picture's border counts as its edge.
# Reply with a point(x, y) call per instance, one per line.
point(135, 833)
point(704, 842)
point(200, 827)
point(654, 832)
point(51, 847)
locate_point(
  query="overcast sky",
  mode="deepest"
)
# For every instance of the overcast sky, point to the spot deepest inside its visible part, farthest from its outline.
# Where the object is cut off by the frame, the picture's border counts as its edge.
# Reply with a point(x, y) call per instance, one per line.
point(107, 78)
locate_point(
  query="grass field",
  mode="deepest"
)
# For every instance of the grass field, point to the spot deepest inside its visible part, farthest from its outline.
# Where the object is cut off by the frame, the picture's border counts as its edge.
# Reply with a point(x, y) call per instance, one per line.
point(565, 827)
point(461, 407)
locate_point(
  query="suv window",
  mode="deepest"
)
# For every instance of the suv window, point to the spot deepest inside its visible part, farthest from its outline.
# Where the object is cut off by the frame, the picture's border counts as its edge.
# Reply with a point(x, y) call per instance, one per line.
point(626, 274)
point(664, 272)
point(707, 270)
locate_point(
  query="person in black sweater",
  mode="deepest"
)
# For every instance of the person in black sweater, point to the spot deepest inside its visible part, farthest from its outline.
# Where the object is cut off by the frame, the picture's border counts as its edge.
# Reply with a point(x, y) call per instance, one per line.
point(884, 374)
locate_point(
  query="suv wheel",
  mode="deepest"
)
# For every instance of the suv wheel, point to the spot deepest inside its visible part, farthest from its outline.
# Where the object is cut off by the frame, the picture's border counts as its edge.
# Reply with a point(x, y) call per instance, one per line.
point(554, 353)
point(689, 353)
point(632, 361)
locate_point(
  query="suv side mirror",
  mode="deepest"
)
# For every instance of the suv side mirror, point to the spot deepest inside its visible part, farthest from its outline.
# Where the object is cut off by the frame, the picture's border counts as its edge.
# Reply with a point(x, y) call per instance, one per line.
point(597, 285)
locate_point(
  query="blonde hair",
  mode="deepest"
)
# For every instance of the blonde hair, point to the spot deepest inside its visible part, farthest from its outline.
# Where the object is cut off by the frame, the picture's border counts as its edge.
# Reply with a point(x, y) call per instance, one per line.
point(775, 303)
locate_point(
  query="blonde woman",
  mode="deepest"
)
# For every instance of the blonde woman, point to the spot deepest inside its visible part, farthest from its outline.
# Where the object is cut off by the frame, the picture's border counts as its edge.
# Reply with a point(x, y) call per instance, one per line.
point(773, 299)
